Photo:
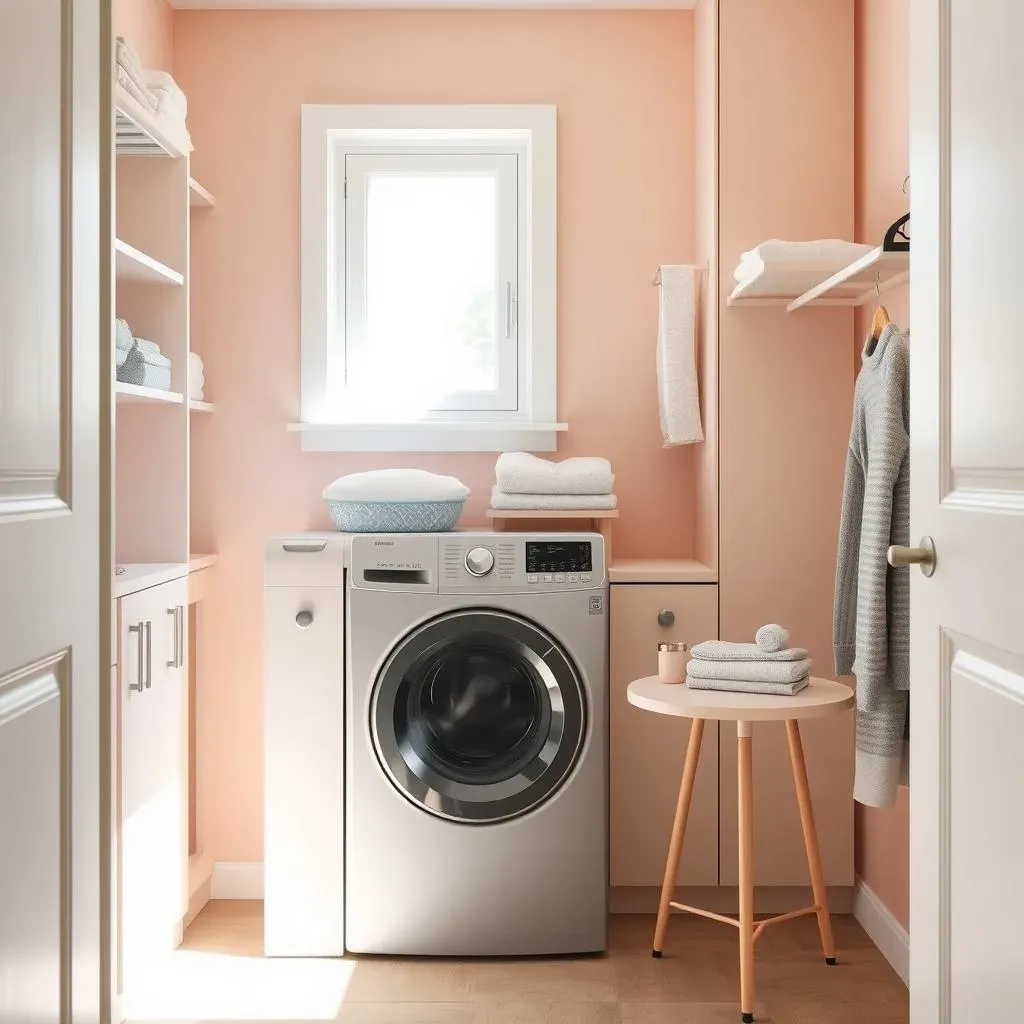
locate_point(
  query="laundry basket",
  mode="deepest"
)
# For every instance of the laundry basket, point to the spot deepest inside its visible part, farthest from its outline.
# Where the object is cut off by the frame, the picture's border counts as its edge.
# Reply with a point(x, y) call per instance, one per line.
point(395, 501)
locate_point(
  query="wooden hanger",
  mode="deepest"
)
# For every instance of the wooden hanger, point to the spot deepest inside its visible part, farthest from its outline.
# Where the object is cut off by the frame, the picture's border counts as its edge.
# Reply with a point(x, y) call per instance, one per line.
point(879, 321)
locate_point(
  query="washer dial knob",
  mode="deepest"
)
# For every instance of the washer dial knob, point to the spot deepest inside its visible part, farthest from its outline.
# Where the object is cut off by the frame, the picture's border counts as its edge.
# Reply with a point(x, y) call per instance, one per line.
point(479, 562)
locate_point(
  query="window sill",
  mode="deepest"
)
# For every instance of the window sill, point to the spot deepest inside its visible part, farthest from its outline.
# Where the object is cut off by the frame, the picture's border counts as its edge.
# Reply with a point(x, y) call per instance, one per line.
point(479, 436)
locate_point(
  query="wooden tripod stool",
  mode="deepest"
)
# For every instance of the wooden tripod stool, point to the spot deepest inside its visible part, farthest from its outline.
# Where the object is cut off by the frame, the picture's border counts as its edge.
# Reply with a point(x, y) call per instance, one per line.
point(822, 697)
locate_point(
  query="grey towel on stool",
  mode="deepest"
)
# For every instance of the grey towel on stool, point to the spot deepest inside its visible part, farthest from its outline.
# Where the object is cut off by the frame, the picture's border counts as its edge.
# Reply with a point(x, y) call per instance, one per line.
point(749, 671)
point(746, 686)
point(772, 638)
point(723, 650)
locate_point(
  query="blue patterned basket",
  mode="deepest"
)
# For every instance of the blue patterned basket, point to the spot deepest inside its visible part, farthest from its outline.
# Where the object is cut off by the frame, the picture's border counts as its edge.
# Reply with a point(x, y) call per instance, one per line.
point(395, 516)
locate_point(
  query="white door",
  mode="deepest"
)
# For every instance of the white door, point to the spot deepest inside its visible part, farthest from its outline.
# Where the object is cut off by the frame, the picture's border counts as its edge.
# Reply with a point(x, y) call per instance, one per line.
point(967, 480)
point(50, 280)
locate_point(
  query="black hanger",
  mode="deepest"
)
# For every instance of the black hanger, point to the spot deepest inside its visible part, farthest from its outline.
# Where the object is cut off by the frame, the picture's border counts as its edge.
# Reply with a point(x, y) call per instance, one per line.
point(897, 238)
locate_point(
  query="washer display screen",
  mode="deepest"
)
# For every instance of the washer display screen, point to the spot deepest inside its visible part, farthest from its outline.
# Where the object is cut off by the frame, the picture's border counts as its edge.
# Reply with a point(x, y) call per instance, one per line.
point(558, 556)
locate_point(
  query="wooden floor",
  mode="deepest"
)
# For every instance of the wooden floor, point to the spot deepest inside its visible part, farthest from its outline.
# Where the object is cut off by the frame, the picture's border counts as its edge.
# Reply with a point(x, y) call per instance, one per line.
point(220, 974)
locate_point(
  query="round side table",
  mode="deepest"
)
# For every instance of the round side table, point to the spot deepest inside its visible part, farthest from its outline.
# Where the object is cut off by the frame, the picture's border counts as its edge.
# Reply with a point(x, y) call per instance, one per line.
point(822, 697)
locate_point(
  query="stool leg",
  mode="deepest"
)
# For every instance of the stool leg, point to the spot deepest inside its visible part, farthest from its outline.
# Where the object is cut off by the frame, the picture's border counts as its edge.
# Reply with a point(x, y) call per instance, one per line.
point(746, 859)
point(803, 797)
point(675, 846)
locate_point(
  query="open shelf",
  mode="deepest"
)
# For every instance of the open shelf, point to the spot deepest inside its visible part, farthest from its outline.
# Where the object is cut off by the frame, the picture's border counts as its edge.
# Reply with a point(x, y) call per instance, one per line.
point(795, 284)
point(135, 393)
point(660, 570)
point(139, 131)
point(133, 265)
point(199, 197)
point(197, 406)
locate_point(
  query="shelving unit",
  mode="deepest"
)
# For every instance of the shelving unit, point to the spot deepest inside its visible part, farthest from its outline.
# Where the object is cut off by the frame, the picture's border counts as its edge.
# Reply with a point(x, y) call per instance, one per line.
point(198, 197)
point(820, 283)
point(135, 393)
point(131, 264)
point(598, 520)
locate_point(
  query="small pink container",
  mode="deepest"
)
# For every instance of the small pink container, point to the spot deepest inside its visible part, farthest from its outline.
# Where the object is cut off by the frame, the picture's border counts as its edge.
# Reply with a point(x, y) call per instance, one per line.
point(672, 662)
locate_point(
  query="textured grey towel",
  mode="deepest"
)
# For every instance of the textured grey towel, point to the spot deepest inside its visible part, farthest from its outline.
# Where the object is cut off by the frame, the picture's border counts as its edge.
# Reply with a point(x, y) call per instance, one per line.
point(749, 671)
point(772, 638)
point(871, 618)
point(723, 650)
point(746, 686)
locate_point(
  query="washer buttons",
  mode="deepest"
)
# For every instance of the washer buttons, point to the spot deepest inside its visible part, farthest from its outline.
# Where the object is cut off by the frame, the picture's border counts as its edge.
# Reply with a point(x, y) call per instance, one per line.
point(560, 577)
point(532, 579)
point(574, 577)
point(586, 577)
point(548, 578)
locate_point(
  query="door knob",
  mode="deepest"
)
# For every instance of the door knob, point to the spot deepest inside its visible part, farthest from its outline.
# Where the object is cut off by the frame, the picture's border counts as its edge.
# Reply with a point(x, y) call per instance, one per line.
point(924, 556)
point(304, 619)
point(666, 617)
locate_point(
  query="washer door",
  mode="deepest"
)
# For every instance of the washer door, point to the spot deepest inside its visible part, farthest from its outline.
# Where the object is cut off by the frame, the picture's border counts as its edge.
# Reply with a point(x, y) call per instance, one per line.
point(478, 716)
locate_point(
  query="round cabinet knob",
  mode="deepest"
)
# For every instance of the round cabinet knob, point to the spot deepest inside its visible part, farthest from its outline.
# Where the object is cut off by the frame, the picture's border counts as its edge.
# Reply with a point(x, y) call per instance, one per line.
point(304, 619)
point(666, 617)
point(479, 562)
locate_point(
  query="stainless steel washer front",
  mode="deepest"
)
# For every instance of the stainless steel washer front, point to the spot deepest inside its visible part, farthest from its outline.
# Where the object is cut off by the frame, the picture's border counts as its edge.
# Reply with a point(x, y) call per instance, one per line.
point(478, 716)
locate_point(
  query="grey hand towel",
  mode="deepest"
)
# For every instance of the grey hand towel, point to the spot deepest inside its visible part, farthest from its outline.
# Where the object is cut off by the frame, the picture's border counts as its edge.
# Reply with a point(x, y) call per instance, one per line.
point(752, 671)
point(772, 638)
point(723, 650)
point(747, 686)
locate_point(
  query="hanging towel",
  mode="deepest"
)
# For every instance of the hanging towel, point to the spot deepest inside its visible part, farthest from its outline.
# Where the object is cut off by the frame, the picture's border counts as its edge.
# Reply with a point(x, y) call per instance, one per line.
point(741, 686)
point(723, 650)
point(522, 473)
point(677, 367)
point(553, 502)
point(871, 618)
point(749, 671)
point(772, 638)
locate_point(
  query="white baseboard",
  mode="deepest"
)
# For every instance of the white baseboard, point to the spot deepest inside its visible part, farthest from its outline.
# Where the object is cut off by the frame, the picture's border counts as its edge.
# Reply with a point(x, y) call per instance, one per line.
point(883, 929)
point(237, 880)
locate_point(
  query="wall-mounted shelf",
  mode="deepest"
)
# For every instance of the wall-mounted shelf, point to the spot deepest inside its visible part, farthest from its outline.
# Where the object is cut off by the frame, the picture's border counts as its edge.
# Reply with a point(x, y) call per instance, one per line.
point(197, 406)
point(795, 284)
point(135, 393)
point(199, 197)
point(141, 132)
point(132, 264)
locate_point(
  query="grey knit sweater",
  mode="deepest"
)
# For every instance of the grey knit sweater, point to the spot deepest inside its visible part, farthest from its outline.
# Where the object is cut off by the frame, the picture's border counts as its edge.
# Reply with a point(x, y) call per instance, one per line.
point(871, 617)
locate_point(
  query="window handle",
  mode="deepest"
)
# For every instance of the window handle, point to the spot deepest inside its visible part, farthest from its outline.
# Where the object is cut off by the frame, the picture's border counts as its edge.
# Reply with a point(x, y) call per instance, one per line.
point(508, 309)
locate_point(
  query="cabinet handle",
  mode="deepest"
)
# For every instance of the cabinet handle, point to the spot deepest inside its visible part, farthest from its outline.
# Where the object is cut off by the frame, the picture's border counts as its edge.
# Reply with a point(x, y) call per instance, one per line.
point(173, 663)
point(181, 636)
point(149, 654)
point(666, 617)
point(137, 687)
point(304, 619)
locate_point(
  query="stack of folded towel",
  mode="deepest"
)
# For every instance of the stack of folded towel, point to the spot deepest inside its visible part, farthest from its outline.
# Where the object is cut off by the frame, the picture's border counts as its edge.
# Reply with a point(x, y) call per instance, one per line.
point(765, 666)
point(527, 482)
point(155, 90)
point(140, 362)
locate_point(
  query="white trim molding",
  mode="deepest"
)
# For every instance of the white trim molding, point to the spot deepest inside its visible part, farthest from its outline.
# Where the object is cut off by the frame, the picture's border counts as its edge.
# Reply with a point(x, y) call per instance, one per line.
point(237, 880)
point(882, 929)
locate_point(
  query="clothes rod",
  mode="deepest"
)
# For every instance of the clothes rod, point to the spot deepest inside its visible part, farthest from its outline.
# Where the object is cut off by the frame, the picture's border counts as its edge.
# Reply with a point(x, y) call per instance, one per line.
point(699, 267)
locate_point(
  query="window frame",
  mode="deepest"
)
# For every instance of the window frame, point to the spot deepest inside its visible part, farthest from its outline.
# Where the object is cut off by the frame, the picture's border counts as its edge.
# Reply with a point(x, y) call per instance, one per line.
point(328, 134)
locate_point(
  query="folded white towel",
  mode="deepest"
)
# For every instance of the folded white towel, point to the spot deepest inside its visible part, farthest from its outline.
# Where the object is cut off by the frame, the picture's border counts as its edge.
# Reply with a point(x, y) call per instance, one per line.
point(396, 485)
point(772, 638)
point(123, 335)
point(167, 91)
point(127, 58)
point(724, 650)
point(741, 686)
point(749, 671)
point(134, 89)
point(678, 397)
point(523, 473)
point(150, 348)
point(834, 251)
point(553, 502)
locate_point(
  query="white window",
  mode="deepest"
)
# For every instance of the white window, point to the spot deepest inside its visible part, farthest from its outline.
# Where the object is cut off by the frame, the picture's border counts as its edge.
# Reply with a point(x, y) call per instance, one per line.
point(428, 278)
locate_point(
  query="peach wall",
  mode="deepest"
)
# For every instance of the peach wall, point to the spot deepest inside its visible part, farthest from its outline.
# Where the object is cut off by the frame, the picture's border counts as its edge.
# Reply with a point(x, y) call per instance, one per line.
point(149, 26)
point(786, 382)
point(623, 85)
point(882, 158)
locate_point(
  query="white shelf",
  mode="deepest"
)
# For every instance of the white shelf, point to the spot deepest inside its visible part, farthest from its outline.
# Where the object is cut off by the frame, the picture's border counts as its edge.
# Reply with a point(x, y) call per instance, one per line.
point(660, 570)
point(795, 284)
point(856, 284)
point(199, 197)
point(133, 265)
point(197, 406)
point(139, 131)
point(135, 393)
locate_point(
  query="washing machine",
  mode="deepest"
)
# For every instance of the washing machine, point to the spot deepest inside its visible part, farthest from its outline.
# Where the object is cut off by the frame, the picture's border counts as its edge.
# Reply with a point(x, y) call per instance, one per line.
point(476, 782)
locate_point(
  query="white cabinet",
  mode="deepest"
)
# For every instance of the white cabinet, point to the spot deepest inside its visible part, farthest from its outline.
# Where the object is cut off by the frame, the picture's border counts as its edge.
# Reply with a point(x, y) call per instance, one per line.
point(153, 762)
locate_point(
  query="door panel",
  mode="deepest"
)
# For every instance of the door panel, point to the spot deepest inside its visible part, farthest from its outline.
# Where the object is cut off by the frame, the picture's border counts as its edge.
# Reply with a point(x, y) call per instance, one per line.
point(967, 473)
point(647, 750)
point(51, 279)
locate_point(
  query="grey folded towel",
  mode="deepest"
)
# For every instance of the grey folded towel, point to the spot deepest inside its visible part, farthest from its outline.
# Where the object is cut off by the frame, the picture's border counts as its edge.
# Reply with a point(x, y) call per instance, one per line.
point(772, 638)
point(723, 650)
point(747, 686)
point(749, 671)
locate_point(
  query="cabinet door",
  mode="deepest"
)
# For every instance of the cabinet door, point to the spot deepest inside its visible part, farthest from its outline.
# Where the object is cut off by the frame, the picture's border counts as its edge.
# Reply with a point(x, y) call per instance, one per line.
point(152, 765)
point(647, 750)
